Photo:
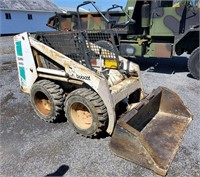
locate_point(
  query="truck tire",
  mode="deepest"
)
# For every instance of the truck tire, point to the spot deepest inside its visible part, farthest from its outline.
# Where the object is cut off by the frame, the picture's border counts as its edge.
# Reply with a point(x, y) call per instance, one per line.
point(86, 112)
point(106, 45)
point(194, 63)
point(47, 99)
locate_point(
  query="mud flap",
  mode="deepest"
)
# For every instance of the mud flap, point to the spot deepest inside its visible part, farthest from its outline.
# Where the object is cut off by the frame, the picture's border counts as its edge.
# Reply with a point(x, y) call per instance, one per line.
point(150, 134)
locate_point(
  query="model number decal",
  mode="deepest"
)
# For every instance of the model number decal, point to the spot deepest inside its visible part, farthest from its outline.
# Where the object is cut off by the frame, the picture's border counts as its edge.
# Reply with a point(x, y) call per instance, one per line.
point(74, 74)
point(83, 77)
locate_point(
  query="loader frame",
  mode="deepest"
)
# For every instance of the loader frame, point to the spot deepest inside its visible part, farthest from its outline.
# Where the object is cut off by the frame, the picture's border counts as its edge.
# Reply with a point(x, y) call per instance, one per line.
point(73, 73)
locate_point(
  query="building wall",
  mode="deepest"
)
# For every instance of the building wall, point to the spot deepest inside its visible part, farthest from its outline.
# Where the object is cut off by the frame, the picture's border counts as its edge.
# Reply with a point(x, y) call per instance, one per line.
point(19, 22)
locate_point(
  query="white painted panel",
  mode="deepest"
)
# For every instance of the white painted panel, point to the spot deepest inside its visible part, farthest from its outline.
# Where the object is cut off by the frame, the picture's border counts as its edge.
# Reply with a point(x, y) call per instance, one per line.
point(25, 62)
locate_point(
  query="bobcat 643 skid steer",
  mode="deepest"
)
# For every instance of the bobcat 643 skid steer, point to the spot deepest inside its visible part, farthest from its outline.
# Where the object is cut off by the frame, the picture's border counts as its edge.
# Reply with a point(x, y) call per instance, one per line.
point(101, 91)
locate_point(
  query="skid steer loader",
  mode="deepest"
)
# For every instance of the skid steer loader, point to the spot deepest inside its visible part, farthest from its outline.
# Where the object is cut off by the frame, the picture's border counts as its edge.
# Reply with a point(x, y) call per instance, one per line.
point(100, 91)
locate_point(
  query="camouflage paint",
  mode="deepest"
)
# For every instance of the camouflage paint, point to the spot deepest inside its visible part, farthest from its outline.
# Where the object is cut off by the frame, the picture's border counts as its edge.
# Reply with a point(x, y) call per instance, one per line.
point(167, 25)
point(89, 21)
point(130, 6)
point(164, 21)
point(145, 15)
point(95, 22)
point(160, 20)
point(161, 50)
point(138, 49)
point(170, 21)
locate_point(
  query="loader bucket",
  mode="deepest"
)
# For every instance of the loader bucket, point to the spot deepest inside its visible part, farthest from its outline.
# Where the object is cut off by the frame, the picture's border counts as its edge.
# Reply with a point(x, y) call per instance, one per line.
point(150, 134)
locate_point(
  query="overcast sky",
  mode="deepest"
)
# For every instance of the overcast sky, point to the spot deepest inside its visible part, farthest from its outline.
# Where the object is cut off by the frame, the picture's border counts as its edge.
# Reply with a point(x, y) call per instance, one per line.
point(102, 4)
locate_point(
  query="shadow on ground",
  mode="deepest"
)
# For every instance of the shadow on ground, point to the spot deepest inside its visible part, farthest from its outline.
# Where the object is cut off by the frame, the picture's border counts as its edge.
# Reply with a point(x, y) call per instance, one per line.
point(163, 65)
point(61, 171)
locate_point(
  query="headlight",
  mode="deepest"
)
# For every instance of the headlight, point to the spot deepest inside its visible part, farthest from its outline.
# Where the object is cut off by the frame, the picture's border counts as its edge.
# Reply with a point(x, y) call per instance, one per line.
point(130, 50)
point(126, 49)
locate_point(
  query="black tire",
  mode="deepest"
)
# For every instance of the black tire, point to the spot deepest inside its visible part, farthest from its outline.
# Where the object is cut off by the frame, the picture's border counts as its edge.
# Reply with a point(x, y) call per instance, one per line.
point(47, 99)
point(106, 45)
point(194, 63)
point(179, 51)
point(86, 112)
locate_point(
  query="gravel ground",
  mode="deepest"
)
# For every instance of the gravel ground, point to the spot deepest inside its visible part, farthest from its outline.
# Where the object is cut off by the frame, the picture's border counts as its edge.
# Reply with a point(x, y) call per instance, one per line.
point(32, 148)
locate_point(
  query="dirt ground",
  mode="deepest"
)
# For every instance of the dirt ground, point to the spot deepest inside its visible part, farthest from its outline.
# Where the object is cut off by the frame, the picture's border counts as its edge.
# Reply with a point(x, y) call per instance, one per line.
point(32, 147)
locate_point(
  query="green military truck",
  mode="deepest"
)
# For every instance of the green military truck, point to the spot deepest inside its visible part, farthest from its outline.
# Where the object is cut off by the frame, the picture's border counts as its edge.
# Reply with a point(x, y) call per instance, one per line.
point(156, 28)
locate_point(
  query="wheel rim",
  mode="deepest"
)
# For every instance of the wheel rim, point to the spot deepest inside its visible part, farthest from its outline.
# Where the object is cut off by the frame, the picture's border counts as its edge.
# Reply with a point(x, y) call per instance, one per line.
point(81, 116)
point(42, 103)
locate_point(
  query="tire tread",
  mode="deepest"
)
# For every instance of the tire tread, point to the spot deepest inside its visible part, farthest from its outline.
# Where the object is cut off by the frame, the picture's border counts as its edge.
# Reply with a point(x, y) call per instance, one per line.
point(98, 104)
point(56, 93)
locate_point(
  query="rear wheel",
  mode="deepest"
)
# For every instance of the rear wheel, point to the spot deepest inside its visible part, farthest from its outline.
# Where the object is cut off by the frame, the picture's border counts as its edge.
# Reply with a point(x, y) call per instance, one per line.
point(86, 112)
point(47, 99)
point(194, 63)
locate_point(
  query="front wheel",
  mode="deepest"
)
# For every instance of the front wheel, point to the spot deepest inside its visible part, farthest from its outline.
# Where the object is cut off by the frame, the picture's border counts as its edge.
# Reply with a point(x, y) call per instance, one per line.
point(194, 63)
point(86, 112)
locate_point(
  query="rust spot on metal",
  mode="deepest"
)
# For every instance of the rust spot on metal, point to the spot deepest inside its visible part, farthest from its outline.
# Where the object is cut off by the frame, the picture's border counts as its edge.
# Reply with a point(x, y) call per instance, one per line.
point(65, 25)
point(98, 20)
point(163, 50)
point(81, 115)
point(150, 136)
point(42, 103)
